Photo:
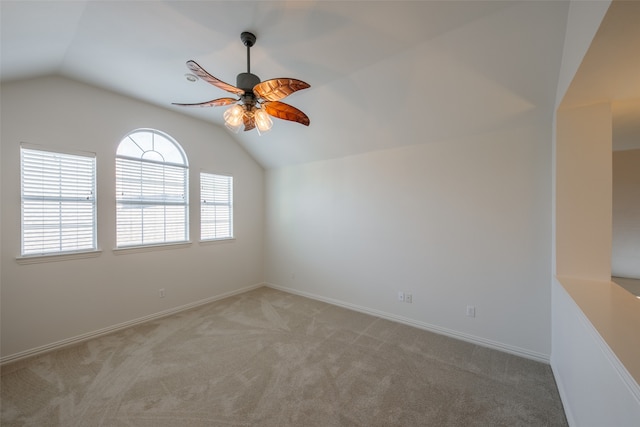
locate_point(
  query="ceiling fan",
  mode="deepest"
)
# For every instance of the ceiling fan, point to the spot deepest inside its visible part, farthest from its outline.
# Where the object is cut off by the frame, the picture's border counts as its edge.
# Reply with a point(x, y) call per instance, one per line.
point(257, 100)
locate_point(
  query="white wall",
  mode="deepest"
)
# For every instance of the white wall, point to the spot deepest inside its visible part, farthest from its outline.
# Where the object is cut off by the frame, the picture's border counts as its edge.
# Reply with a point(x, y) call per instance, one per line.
point(590, 339)
point(625, 255)
point(46, 303)
point(456, 223)
point(595, 387)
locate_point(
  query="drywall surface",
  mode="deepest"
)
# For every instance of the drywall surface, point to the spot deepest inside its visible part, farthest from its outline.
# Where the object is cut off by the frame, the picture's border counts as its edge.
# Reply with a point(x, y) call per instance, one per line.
point(625, 258)
point(457, 223)
point(48, 302)
point(626, 123)
point(583, 192)
point(594, 322)
point(596, 388)
point(583, 21)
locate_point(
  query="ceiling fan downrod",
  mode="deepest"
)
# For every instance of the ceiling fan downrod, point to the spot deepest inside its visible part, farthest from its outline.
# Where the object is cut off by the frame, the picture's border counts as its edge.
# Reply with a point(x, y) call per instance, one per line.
point(247, 81)
point(248, 39)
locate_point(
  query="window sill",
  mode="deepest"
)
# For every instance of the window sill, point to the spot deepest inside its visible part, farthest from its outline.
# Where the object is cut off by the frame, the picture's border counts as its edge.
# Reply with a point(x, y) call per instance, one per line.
point(35, 259)
point(150, 248)
point(217, 241)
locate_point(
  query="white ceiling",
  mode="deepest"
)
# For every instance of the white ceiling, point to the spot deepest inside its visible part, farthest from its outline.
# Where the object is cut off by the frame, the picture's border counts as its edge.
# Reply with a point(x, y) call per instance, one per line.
point(383, 73)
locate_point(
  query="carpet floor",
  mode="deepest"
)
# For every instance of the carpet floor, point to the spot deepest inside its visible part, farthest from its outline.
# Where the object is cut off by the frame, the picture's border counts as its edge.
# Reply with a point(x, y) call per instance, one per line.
point(269, 358)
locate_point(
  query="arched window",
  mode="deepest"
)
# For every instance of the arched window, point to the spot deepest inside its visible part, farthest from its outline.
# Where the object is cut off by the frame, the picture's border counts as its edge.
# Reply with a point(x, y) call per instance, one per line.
point(152, 190)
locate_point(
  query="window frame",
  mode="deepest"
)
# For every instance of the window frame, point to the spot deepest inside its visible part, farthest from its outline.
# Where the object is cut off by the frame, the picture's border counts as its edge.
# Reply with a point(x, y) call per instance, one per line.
point(164, 201)
point(229, 204)
point(90, 198)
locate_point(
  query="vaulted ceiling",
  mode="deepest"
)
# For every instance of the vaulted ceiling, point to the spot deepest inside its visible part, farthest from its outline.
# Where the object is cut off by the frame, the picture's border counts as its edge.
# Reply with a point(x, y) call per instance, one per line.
point(383, 73)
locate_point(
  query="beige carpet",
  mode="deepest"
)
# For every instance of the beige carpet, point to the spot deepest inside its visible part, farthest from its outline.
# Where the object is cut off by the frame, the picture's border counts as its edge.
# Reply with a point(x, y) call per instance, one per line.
point(268, 358)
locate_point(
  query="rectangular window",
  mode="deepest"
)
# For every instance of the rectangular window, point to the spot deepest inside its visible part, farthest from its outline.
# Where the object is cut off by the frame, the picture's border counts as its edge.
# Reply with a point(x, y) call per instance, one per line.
point(58, 193)
point(216, 206)
point(152, 205)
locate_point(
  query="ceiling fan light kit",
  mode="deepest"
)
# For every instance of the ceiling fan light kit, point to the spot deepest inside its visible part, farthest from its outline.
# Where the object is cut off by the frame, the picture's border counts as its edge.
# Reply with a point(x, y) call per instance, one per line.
point(256, 100)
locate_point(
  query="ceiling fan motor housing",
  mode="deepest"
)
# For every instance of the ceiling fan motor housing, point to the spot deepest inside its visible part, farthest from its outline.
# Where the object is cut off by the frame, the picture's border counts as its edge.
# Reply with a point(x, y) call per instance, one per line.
point(246, 81)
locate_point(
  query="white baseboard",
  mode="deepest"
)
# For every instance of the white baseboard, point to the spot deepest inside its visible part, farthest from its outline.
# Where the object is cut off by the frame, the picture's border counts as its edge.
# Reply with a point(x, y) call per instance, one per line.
point(506, 348)
point(404, 320)
point(564, 398)
point(120, 326)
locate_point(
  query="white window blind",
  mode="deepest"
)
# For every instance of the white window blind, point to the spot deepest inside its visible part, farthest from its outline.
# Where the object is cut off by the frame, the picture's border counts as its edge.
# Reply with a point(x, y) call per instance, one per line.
point(58, 193)
point(216, 206)
point(151, 194)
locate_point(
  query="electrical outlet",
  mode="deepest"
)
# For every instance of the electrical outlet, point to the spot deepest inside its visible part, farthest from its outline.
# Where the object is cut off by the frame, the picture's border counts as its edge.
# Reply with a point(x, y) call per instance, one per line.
point(408, 298)
point(161, 292)
point(471, 311)
point(400, 296)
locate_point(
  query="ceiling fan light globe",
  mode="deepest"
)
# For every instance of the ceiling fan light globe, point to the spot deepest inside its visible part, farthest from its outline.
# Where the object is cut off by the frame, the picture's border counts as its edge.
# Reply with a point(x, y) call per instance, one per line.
point(233, 118)
point(263, 121)
point(234, 129)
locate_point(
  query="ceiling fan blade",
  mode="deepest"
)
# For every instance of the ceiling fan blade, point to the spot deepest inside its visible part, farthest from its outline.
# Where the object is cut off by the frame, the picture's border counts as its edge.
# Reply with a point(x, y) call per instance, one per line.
point(276, 89)
point(200, 72)
point(284, 111)
point(249, 122)
point(213, 103)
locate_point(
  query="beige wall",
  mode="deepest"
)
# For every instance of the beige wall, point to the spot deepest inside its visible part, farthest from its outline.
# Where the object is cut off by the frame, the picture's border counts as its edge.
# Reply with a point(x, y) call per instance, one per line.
point(583, 192)
point(625, 258)
point(49, 302)
point(460, 222)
